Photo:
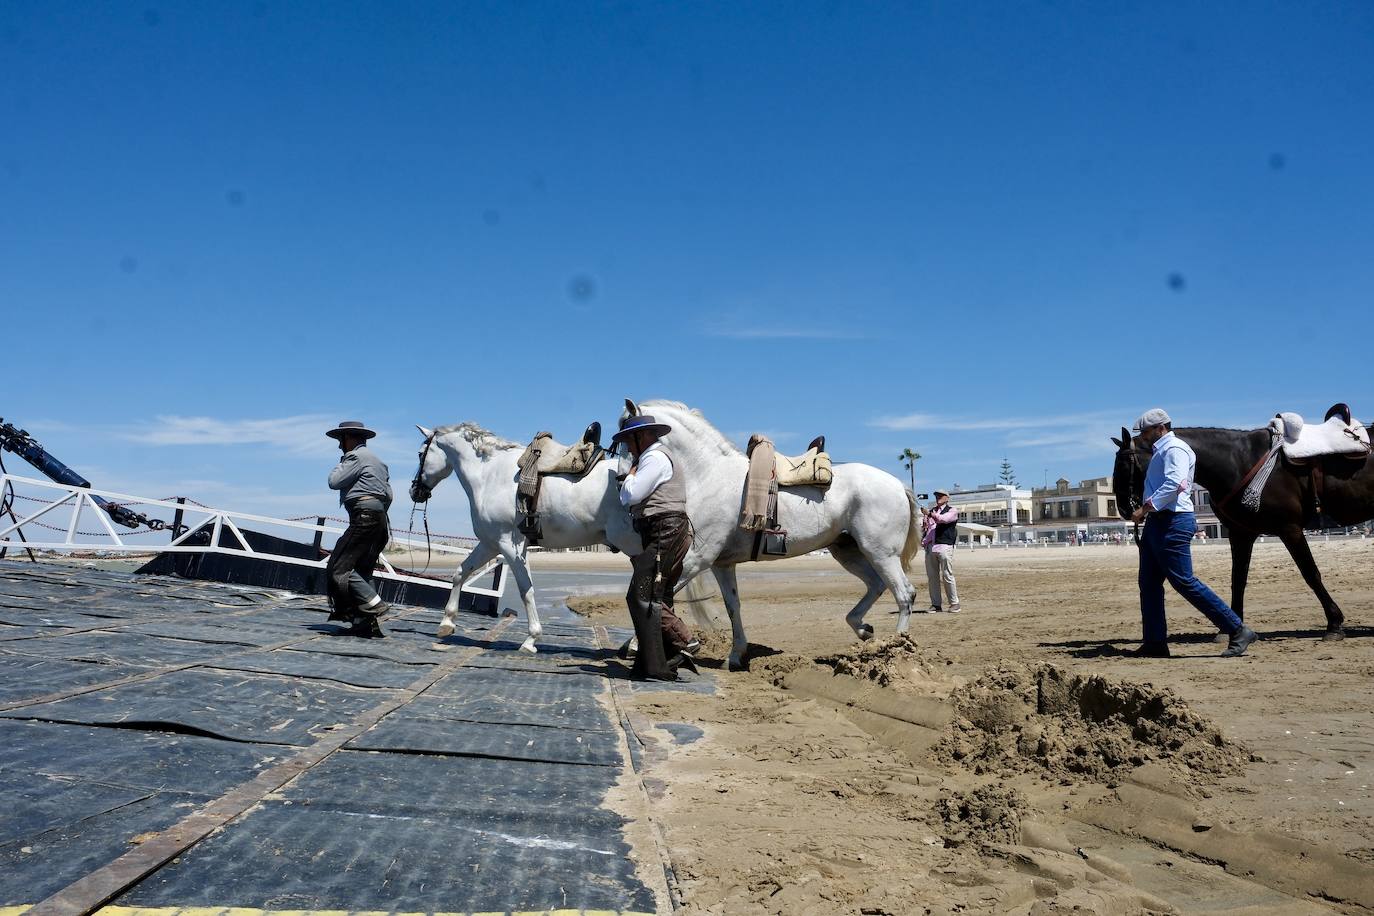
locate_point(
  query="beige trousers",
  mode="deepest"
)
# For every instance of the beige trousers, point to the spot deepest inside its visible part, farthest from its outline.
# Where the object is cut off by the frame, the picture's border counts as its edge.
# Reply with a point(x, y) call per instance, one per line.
point(940, 569)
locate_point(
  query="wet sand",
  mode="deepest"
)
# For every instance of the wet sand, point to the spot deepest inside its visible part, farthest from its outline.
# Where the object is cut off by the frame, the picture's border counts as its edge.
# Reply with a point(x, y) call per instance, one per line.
point(1011, 759)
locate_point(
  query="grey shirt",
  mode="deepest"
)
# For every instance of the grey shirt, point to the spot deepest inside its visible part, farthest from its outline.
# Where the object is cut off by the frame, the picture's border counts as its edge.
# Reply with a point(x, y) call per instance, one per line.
point(360, 474)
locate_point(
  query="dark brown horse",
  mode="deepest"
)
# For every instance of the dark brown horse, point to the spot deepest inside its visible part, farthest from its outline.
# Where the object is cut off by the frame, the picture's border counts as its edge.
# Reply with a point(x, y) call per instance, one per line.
point(1344, 490)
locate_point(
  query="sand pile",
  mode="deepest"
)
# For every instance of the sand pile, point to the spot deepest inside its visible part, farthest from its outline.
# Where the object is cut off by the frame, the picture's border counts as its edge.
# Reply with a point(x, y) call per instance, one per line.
point(894, 662)
point(1029, 719)
point(987, 814)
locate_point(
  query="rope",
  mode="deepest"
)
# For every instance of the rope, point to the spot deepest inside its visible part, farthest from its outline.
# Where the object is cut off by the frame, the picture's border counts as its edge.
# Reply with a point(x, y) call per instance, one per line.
point(1254, 492)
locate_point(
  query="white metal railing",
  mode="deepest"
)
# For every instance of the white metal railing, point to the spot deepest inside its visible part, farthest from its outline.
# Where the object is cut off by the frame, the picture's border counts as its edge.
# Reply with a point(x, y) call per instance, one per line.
point(61, 508)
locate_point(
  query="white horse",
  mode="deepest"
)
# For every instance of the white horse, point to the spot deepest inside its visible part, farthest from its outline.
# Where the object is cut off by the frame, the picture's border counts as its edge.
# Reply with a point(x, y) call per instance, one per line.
point(574, 513)
point(867, 518)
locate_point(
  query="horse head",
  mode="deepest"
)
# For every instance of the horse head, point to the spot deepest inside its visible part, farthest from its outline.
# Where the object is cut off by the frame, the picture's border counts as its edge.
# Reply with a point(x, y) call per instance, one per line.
point(1128, 478)
point(433, 467)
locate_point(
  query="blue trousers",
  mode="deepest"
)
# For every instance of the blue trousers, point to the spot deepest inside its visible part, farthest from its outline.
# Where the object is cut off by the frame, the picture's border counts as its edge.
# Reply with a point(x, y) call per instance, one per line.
point(1166, 553)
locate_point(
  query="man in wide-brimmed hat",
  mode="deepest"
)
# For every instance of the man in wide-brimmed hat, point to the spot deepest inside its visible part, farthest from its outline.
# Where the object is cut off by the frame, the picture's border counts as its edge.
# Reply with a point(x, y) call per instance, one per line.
point(655, 492)
point(363, 482)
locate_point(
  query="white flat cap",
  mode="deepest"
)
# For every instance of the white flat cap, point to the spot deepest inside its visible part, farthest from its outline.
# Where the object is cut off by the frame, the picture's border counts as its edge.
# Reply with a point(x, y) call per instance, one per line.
point(1155, 416)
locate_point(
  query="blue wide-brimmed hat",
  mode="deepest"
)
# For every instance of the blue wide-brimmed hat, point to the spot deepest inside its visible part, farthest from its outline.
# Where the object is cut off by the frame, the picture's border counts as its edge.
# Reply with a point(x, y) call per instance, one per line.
point(644, 423)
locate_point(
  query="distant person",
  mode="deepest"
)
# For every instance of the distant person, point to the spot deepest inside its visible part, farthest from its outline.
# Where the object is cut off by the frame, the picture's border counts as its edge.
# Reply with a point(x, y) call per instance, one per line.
point(364, 489)
point(1166, 543)
point(655, 492)
point(939, 531)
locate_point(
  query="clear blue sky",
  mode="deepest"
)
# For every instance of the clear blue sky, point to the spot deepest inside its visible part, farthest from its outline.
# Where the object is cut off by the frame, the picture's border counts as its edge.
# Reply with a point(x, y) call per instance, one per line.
point(973, 229)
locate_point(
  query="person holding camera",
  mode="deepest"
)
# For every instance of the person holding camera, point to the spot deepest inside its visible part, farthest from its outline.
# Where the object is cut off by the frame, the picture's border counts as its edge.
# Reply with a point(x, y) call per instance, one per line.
point(939, 531)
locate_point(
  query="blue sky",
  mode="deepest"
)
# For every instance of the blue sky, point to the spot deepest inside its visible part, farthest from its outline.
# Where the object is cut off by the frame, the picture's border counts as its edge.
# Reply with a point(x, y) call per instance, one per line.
point(973, 229)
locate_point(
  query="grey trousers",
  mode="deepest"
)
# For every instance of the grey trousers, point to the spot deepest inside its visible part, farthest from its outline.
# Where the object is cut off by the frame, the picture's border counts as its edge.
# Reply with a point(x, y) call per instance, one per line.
point(940, 571)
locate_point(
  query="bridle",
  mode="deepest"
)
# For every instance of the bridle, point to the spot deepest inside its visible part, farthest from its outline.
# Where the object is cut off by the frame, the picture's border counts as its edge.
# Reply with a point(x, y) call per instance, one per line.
point(418, 488)
point(1133, 500)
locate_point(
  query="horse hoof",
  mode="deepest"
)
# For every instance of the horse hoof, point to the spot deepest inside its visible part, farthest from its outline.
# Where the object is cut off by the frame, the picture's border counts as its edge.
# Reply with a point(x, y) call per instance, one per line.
point(864, 632)
point(738, 664)
point(528, 646)
point(446, 629)
point(1333, 635)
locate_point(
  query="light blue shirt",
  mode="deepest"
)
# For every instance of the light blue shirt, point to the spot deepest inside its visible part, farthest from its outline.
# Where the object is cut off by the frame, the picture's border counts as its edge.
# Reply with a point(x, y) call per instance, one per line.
point(1169, 479)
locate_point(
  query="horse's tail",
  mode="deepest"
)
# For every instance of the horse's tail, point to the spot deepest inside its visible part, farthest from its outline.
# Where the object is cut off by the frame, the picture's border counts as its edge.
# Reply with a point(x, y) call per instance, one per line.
point(913, 531)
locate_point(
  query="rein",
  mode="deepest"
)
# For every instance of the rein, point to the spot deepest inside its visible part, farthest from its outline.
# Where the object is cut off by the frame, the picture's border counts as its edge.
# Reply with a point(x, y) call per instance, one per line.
point(417, 486)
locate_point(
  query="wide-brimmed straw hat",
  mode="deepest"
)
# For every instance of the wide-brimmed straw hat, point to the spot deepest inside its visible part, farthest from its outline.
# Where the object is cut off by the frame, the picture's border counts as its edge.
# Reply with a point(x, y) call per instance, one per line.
point(644, 423)
point(350, 428)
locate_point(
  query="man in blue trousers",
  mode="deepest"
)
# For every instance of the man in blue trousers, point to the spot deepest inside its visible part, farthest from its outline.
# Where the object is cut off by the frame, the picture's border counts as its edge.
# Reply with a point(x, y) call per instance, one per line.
point(1166, 545)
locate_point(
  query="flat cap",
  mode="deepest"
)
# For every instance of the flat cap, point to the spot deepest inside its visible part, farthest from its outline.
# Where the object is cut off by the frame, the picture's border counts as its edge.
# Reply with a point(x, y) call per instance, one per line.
point(1155, 416)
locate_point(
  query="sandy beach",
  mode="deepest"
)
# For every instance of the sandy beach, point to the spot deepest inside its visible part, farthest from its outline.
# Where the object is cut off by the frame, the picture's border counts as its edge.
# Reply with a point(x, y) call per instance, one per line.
point(1010, 758)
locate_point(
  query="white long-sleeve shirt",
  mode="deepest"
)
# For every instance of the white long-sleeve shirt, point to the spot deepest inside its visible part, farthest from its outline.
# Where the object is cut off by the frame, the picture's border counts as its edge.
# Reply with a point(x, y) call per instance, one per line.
point(651, 471)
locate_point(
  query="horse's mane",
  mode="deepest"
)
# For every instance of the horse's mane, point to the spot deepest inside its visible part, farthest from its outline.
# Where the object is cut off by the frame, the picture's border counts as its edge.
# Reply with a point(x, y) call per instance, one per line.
point(483, 441)
point(702, 427)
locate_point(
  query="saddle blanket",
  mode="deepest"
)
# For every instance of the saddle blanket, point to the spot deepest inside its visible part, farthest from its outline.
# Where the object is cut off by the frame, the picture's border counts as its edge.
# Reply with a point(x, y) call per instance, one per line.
point(1334, 437)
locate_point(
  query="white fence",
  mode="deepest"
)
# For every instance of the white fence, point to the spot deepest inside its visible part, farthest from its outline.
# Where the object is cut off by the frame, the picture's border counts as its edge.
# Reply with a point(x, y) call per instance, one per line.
point(42, 515)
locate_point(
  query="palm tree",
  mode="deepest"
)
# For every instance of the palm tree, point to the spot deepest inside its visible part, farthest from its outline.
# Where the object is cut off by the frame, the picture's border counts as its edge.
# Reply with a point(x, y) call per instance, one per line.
point(908, 458)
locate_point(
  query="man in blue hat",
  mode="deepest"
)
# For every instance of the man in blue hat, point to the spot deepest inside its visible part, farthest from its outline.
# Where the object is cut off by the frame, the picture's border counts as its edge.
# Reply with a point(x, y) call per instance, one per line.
point(364, 486)
point(1167, 542)
point(655, 492)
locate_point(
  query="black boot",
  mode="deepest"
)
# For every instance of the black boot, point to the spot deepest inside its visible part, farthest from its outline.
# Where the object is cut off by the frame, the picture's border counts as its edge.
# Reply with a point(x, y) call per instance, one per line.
point(1239, 642)
point(1150, 650)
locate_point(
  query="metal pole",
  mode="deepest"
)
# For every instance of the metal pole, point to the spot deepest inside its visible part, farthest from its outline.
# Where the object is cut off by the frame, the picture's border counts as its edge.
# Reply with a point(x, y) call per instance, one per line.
point(176, 519)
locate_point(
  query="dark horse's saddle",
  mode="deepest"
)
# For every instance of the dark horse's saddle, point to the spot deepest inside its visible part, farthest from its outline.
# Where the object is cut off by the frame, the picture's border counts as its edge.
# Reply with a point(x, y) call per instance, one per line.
point(1312, 471)
point(542, 458)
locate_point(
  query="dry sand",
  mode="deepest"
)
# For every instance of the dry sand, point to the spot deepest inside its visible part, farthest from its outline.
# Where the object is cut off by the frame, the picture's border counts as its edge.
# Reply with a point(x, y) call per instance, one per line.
point(1009, 759)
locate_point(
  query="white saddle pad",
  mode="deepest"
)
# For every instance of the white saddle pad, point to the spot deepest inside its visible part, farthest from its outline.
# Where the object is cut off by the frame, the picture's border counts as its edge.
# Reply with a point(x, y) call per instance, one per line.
point(1334, 437)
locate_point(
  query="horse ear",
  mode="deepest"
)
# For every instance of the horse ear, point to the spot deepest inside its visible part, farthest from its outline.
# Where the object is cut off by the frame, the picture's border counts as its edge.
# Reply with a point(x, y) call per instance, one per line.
point(424, 432)
point(1118, 442)
point(631, 408)
point(1125, 436)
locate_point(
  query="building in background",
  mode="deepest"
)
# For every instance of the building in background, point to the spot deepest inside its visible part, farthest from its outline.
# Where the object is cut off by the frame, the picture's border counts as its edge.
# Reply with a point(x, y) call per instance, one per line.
point(996, 505)
point(1087, 512)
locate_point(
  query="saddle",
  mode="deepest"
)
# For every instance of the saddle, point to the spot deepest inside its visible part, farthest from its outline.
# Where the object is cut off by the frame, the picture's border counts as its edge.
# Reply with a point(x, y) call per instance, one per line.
point(1338, 434)
point(809, 469)
point(1307, 448)
point(543, 457)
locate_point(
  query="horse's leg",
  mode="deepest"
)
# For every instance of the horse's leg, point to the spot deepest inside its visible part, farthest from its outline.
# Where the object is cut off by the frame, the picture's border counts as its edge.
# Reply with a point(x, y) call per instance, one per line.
point(853, 560)
point(480, 556)
point(890, 568)
point(1242, 547)
point(729, 591)
point(1301, 552)
point(519, 567)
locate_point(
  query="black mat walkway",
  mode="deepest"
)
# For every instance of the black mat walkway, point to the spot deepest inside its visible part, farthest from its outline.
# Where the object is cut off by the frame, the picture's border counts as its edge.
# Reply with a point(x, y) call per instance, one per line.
point(174, 747)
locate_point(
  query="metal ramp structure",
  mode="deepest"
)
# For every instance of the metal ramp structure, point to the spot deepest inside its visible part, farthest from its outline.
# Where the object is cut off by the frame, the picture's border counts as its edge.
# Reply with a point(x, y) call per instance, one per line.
point(218, 545)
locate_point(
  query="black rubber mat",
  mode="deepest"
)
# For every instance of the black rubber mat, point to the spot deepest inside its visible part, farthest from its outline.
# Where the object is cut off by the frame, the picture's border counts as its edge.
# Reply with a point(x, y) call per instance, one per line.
point(518, 698)
point(358, 671)
point(483, 739)
point(135, 649)
point(394, 833)
point(225, 704)
point(23, 677)
point(483, 793)
point(74, 798)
